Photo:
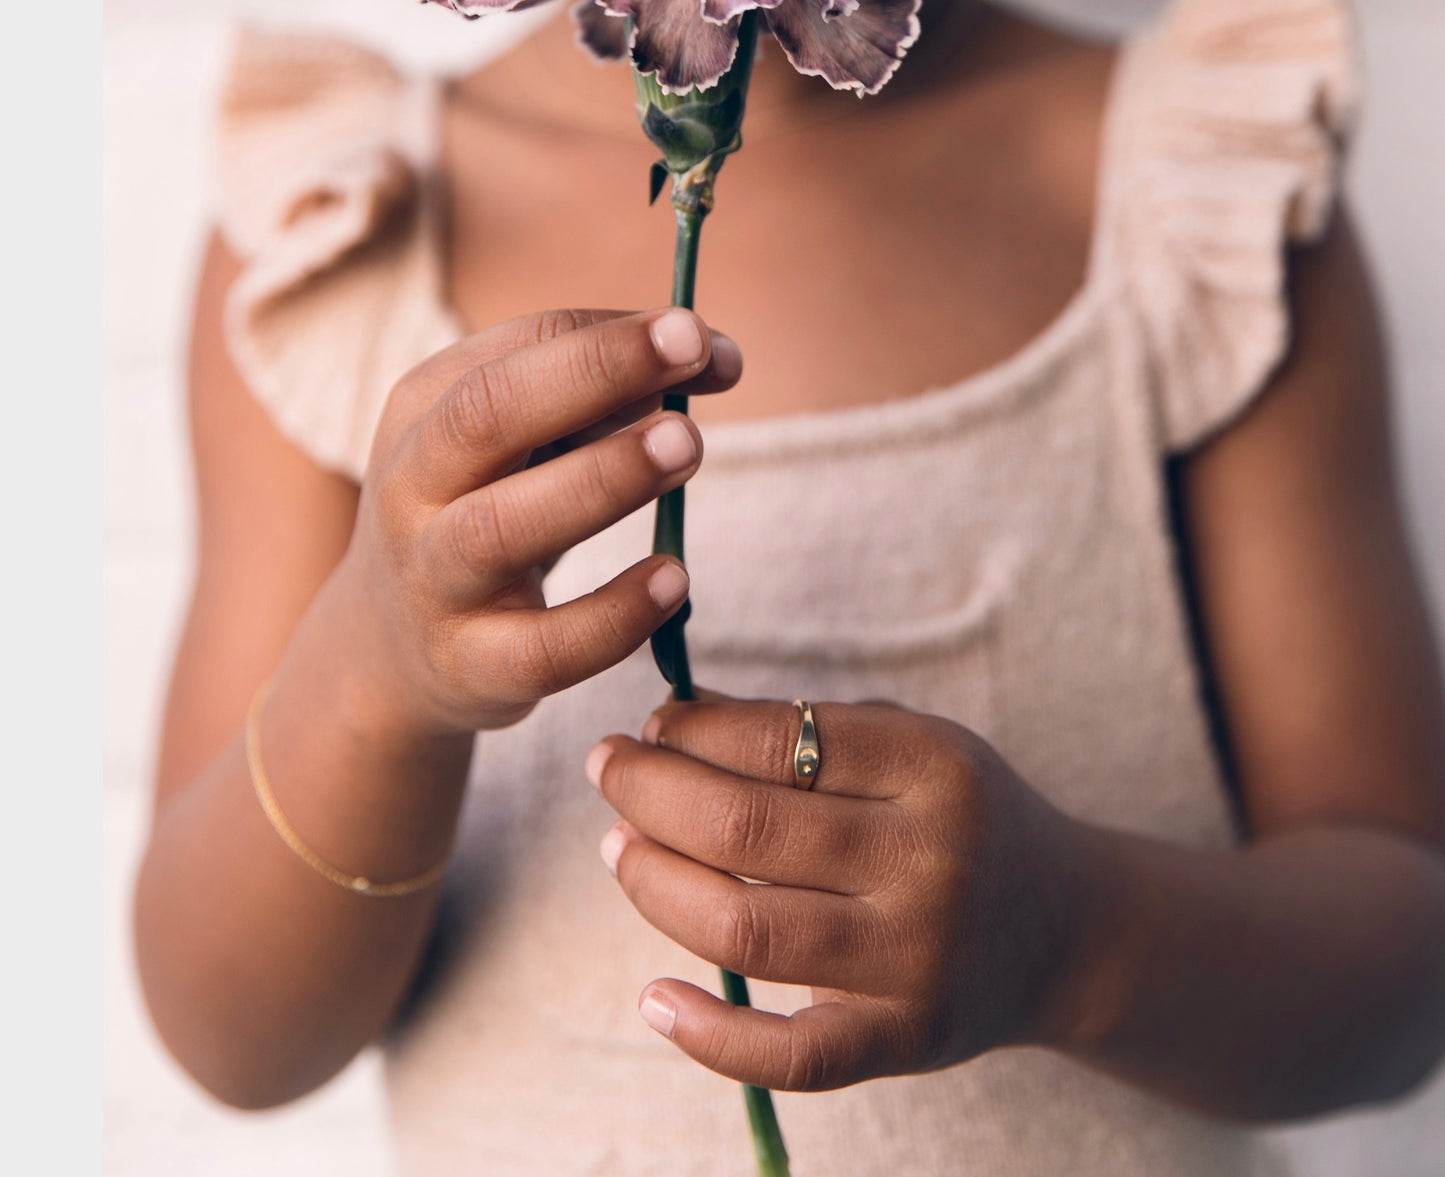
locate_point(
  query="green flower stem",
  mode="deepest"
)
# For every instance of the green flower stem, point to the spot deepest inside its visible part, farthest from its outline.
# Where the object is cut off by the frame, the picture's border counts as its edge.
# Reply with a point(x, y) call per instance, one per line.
point(696, 132)
point(669, 645)
point(671, 650)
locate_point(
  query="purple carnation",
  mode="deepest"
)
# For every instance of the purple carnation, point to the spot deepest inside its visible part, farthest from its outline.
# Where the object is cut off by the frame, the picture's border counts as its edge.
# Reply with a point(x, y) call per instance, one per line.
point(687, 44)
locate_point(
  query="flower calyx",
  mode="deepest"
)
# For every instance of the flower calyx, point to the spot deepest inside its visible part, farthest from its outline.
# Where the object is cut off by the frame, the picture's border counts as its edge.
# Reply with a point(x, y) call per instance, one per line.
point(697, 130)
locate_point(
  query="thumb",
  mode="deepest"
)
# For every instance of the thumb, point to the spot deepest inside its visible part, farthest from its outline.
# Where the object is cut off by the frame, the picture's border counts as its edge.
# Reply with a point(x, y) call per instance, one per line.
point(826, 1046)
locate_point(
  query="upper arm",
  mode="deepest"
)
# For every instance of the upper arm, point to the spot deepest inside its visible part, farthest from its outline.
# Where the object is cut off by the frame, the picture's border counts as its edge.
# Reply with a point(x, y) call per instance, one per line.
point(1317, 630)
point(272, 526)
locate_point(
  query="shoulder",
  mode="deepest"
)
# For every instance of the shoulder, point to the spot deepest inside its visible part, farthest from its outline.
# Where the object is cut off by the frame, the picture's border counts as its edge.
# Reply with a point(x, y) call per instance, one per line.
point(1232, 131)
point(323, 192)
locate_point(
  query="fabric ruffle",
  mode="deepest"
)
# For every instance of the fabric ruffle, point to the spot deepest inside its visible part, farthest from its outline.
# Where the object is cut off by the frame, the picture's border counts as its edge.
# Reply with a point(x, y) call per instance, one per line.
point(1245, 108)
point(325, 191)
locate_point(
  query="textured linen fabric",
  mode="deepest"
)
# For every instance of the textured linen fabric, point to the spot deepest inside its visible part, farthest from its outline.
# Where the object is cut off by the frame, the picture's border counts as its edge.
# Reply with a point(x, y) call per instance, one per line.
point(997, 552)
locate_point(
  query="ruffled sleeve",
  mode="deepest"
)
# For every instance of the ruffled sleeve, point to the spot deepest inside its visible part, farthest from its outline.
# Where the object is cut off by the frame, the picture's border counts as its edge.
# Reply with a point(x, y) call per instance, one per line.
point(325, 190)
point(1241, 111)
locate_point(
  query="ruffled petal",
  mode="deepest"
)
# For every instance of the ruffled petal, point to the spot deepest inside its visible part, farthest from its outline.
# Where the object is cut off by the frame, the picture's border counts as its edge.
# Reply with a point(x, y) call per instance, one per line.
point(322, 150)
point(672, 41)
point(1245, 107)
point(722, 11)
point(853, 45)
point(599, 31)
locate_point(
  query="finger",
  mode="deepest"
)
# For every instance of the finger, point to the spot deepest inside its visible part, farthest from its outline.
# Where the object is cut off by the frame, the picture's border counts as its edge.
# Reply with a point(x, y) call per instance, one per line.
point(821, 1048)
point(420, 388)
point(863, 751)
point(416, 393)
point(784, 934)
point(424, 383)
point(496, 413)
point(722, 373)
point(522, 655)
point(742, 826)
point(487, 538)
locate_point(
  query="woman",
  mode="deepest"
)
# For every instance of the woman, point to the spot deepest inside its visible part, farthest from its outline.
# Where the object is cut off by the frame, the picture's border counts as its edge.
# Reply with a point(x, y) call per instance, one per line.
point(1019, 889)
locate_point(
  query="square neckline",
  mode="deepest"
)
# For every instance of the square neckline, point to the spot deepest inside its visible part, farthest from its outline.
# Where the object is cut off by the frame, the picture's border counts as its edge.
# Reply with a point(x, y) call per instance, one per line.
point(936, 408)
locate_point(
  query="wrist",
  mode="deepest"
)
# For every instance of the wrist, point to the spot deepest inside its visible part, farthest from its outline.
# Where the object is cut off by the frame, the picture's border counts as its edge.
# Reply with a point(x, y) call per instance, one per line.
point(1089, 988)
point(368, 787)
point(347, 651)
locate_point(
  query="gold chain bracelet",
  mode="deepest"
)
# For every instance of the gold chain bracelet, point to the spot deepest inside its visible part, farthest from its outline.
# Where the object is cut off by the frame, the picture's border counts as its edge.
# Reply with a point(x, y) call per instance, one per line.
point(360, 884)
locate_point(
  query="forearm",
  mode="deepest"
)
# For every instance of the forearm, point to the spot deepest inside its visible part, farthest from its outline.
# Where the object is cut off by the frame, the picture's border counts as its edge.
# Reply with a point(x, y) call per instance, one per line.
point(1292, 977)
point(263, 977)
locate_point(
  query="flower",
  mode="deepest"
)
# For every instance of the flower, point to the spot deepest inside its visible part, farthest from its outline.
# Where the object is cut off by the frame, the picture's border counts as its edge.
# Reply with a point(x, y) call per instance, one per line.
point(690, 44)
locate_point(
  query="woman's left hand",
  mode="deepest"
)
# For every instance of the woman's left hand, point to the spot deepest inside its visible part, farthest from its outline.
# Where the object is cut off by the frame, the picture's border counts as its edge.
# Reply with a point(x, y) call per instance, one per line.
point(929, 897)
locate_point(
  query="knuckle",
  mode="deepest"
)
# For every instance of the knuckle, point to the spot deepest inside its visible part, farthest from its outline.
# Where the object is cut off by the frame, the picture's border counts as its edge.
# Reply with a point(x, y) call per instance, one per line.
point(737, 820)
point(720, 1044)
point(614, 626)
point(933, 863)
point(595, 361)
point(472, 415)
point(409, 399)
point(830, 937)
point(478, 536)
point(619, 774)
point(637, 872)
point(446, 663)
point(584, 491)
point(844, 838)
point(595, 483)
point(535, 663)
point(560, 321)
point(391, 487)
point(809, 1067)
point(627, 775)
point(744, 938)
point(901, 851)
point(413, 579)
point(961, 809)
point(773, 742)
point(594, 631)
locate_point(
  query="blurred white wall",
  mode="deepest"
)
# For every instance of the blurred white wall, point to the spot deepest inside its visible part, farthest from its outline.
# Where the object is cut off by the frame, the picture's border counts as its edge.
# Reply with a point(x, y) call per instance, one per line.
point(162, 58)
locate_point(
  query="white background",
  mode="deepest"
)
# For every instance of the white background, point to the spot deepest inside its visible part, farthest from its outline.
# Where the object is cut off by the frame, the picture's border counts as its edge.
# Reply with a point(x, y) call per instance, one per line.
point(161, 64)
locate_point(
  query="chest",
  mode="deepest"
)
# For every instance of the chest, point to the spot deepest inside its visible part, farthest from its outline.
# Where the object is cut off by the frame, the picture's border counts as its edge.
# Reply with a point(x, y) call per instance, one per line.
point(853, 265)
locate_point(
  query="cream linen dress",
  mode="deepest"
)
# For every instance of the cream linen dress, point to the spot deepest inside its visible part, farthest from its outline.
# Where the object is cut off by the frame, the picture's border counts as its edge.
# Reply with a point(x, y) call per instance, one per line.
point(997, 552)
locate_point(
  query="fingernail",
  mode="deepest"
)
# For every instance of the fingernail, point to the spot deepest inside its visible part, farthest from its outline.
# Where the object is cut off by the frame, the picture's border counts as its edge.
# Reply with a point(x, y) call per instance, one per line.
point(658, 1012)
point(614, 841)
point(677, 339)
point(668, 585)
point(670, 445)
point(651, 729)
point(596, 761)
point(727, 357)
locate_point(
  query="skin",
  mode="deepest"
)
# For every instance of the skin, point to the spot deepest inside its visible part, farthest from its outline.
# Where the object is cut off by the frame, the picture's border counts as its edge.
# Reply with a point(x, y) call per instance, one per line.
point(937, 904)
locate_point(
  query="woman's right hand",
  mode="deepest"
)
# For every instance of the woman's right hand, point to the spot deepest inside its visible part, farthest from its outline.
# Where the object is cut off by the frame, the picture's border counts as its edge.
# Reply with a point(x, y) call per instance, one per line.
point(493, 458)
point(390, 626)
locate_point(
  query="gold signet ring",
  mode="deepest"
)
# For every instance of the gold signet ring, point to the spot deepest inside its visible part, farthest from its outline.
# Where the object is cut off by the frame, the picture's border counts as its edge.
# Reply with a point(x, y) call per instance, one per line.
point(806, 756)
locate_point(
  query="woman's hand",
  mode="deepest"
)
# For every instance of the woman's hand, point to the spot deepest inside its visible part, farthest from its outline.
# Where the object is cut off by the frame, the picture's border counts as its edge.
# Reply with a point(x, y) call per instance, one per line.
point(389, 629)
point(925, 893)
point(459, 514)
